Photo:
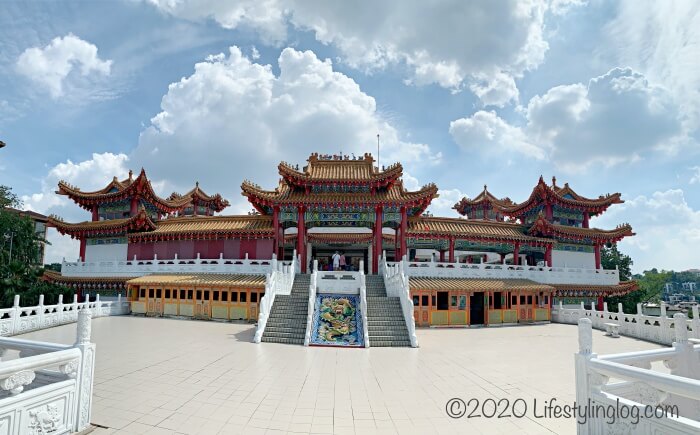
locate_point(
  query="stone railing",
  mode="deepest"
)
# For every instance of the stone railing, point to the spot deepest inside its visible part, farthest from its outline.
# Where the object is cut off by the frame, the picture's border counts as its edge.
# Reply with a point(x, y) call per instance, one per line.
point(396, 283)
point(279, 281)
point(622, 394)
point(134, 268)
point(338, 282)
point(540, 274)
point(363, 303)
point(48, 389)
point(19, 320)
point(311, 308)
point(658, 329)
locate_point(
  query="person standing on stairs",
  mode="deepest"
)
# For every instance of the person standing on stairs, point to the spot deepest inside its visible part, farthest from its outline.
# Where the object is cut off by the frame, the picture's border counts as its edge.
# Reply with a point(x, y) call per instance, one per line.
point(342, 261)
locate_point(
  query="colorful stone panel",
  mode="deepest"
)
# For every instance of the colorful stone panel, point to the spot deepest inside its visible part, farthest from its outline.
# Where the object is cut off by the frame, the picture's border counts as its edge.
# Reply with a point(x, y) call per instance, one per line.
point(337, 321)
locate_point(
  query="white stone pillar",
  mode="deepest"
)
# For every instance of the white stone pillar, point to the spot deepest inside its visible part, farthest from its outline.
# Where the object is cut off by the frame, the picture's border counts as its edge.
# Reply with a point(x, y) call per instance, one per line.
point(86, 372)
point(584, 355)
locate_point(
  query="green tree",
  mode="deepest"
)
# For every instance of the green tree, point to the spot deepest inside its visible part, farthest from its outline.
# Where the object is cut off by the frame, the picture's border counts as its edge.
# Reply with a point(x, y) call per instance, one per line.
point(19, 250)
point(611, 258)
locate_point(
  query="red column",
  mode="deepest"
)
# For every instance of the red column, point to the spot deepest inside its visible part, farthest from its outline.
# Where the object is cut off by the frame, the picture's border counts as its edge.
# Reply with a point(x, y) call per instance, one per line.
point(548, 255)
point(452, 250)
point(95, 216)
point(275, 228)
point(396, 245)
point(596, 248)
point(134, 206)
point(548, 212)
point(301, 239)
point(82, 248)
point(404, 225)
point(585, 219)
point(516, 253)
point(442, 256)
point(599, 305)
point(377, 247)
point(503, 257)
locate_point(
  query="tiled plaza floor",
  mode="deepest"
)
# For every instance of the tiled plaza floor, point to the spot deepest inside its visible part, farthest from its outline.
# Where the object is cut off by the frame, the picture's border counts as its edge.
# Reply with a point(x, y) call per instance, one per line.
point(160, 376)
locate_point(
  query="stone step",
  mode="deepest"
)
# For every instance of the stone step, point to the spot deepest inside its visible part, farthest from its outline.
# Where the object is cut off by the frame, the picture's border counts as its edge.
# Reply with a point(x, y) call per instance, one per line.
point(292, 335)
point(283, 340)
point(402, 343)
point(387, 323)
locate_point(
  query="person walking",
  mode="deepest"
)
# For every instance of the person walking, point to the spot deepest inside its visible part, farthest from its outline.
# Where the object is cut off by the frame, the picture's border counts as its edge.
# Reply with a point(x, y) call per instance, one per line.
point(342, 261)
point(336, 261)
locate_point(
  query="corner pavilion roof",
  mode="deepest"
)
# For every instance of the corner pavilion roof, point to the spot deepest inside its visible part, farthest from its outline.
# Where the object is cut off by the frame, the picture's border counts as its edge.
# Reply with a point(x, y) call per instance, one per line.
point(583, 290)
point(564, 196)
point(477, 285)
point(193, 227)
point(140, 186)
point(216, 201)
point(470, 229)
point(202, 279)
point(140, 221)
point(543, 227)
point(108, 282)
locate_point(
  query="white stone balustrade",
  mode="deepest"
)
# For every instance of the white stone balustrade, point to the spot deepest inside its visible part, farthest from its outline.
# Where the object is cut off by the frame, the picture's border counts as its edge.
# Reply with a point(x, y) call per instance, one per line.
point(396, 283)
point(279, 281)
point(540, 274)
point(363, 303)
point(48, 389)
point(624, 395)
point(19, 320)
point(311, 307)
point(658, 329)
point(140, 267)
point(342, 282)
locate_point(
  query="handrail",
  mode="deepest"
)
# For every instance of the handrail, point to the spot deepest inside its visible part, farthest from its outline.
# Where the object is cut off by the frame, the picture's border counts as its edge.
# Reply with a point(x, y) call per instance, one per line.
point(363, 303)
point(311, 308)
point(279, 281)
point(397, 284)
point(36, 362)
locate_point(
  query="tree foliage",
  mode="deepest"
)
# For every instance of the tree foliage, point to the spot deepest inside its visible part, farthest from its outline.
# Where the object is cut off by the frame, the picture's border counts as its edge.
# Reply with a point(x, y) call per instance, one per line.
point(651, 282)
point(19, 250)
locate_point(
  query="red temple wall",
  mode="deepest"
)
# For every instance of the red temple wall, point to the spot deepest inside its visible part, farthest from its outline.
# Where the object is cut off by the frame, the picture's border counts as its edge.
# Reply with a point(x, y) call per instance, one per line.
point(187, 249)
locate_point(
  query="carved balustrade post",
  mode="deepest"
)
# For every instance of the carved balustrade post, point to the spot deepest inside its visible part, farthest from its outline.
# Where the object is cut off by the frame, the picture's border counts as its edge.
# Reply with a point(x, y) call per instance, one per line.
point(86, 373)
point(582, 358)
point(684, 364)
point(15, 315)
point(696, 321)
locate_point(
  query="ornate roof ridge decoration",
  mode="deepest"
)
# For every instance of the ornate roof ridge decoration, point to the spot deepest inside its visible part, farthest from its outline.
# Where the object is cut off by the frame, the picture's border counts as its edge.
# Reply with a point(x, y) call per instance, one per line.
point(543, 227)
point(284, 195)
point(556, 195)
point(216, 201)
point(141, 187)
point(472, 229)
point(340, 170)
point(203, 227)
point(485, 197)
point(140, 221)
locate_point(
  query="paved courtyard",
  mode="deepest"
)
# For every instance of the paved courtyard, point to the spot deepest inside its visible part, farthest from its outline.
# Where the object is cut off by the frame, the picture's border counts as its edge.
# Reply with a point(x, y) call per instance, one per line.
point(160, 376)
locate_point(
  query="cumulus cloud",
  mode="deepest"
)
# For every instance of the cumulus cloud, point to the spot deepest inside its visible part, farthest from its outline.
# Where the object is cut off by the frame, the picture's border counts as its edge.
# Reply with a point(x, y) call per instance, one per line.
point(618, 117)
point(52, 66)
point(666, 226)
point(250, 119)
point(485, 132)
point(662, 40)
point(447, 43)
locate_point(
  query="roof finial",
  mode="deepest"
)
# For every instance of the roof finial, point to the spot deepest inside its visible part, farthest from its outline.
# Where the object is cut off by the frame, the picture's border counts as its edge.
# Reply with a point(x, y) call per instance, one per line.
point(131, 174)
point(196, 184)
point(485, 189)
point(554, 181)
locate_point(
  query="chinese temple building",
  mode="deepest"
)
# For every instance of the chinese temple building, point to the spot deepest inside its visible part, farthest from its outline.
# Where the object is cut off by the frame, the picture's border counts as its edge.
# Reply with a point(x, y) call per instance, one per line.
point(495, 262)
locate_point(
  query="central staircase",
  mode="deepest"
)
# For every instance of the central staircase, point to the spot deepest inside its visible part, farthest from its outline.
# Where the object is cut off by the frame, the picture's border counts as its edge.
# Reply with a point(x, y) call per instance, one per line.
point(287, 321)
point(385, 322)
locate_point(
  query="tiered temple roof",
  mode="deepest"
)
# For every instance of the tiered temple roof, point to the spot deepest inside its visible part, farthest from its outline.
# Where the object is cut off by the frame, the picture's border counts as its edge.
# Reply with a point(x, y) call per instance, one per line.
point(250, 226)
point(483, 203)
point(468, 229)
point(478, 285)
point(542, 227)
point(541, 193)
point(138, 222)
point(118, 191)
point(339, 182)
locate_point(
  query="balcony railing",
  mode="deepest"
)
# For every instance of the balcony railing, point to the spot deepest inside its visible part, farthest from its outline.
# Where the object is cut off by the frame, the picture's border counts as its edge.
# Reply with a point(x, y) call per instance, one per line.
point(134, 268)
point(540, 274)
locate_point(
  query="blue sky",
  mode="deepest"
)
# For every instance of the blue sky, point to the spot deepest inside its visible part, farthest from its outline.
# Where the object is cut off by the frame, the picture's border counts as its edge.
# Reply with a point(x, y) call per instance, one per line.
point(603, 95)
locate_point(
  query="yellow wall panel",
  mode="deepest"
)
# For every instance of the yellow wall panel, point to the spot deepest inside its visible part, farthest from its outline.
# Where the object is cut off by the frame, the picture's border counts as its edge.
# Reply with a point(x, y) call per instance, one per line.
point(138, 307)
point(186, 310)
point(239, 313)
point(438, 318)
point(219, 312)
point(170, 309)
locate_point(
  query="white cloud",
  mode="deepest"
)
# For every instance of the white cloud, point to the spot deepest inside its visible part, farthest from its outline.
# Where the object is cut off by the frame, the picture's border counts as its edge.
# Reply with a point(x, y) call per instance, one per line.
point(496, 90)
point(619, 117)
point(666, 227)
point(662, 40)
point(50, 67)
point(695, 177)
point(442, 205)
point(447, 43)
point(485, 132)
point(234, 119)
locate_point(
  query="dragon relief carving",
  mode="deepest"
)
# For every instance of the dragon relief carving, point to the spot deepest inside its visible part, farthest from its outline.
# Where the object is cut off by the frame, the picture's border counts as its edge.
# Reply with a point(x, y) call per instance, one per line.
point(44, 420)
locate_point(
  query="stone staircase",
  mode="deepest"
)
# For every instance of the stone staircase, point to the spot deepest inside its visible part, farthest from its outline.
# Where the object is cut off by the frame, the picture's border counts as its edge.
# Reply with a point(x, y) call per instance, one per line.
point(385, 322)
point(287, 321)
